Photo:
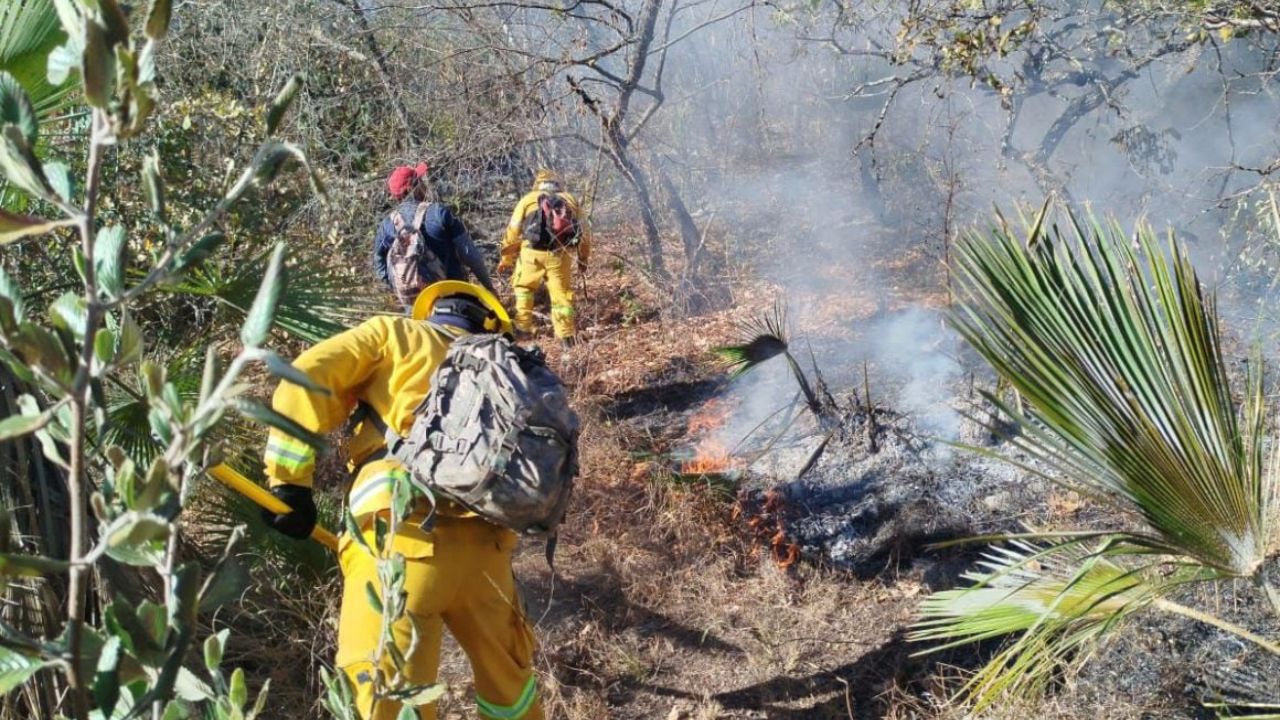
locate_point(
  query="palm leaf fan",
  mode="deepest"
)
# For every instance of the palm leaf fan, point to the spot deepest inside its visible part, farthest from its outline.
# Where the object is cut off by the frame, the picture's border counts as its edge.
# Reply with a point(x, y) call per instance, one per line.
point(1061, 596)
point(1115, 346)
point(764, 339)
point(31, 30)
point(129, 414)
point(320, 299)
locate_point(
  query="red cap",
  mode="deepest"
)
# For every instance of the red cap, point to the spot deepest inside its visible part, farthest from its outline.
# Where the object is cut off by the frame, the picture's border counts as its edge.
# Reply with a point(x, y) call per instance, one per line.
point(403, 178)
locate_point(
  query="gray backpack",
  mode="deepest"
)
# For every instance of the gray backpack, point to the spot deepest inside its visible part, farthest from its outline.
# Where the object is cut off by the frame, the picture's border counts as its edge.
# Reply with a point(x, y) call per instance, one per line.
point(495, 434)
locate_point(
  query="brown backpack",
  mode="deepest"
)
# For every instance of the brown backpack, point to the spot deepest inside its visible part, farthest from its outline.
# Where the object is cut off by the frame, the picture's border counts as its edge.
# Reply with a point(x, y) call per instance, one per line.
point(411, 265)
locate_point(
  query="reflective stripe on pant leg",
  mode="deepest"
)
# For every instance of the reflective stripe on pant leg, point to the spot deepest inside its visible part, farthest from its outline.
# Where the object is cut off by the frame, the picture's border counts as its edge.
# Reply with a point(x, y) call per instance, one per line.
point(514, 711)
point(524, 310)
point(292, 455)
point(374, 494)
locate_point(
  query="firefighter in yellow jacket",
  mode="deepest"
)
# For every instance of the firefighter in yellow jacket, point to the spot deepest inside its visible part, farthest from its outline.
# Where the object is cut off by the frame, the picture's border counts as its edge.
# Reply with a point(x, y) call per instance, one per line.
point(458, 574)
point(546, 251)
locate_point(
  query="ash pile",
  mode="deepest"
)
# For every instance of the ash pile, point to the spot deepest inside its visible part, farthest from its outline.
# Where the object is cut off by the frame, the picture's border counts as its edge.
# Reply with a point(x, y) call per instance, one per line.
point(864, 478)
point(866, 488)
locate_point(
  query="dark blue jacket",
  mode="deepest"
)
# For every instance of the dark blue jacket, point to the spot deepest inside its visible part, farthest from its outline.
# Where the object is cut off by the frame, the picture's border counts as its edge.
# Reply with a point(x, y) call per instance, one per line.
point(445, 235)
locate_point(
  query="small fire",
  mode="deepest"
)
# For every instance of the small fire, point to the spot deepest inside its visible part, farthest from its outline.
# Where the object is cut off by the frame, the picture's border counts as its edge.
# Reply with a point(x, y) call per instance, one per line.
point(766, 525)
point(710, 455)
point(710, 417)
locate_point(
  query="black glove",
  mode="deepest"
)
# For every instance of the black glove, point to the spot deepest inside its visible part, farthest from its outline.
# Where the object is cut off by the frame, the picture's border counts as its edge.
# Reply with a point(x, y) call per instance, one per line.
point(300, 522)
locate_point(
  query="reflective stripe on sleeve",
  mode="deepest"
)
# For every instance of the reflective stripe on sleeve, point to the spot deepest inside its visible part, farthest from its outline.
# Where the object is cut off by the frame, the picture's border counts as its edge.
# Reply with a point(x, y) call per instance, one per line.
point(514, 711)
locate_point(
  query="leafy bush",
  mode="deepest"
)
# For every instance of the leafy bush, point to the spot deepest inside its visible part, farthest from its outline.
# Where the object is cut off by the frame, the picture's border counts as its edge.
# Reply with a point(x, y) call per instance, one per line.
point(116, 407)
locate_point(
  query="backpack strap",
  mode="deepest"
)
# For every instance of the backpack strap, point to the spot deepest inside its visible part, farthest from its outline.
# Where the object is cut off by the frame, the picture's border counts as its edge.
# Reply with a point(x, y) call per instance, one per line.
point(419, 215)
point(397, 221)
point(549, 552)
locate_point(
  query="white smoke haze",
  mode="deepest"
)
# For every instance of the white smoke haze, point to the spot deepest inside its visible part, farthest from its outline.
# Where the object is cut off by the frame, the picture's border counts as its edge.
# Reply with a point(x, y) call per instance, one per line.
point(911, 348)
point(759, 128)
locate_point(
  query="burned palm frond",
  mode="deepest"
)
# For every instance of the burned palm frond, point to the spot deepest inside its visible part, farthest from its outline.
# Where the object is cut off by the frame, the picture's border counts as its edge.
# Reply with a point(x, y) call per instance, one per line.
point(765, 338)
point(741, 359)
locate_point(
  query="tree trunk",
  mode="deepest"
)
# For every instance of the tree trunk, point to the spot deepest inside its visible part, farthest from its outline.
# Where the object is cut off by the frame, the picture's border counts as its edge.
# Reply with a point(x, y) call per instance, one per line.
point(690, 238)
point(639, 182)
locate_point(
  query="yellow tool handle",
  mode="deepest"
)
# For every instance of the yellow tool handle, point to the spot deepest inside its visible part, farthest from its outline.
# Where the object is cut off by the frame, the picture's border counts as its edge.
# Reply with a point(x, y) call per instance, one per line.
point(258, 494)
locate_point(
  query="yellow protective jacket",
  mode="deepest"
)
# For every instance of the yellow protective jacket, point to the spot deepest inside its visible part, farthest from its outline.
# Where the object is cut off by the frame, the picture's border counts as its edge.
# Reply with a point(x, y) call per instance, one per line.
point(515, 229)
point(385, 362)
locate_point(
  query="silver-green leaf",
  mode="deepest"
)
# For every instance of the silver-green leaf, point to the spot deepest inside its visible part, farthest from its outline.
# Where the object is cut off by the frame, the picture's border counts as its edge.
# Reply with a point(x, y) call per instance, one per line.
point(282, 369)
point(15, 227)
point(158, 19)
point(262, 313)
point(153, 184)
point(18, 425)
point(15, 669)
point(59, 176)
point(97, 65)
point(213, 646)
point(265, 415)
point(20, 164)
point(281, 104)
point(109, 260)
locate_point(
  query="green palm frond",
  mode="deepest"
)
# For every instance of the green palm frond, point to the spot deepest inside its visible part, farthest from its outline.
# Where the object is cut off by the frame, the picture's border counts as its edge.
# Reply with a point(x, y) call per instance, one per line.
point(220, 509)
point(1061, 597)
point(30, 31)
point(1115, 347)
point(320, 298)
point(128, 413)
point(764, 338)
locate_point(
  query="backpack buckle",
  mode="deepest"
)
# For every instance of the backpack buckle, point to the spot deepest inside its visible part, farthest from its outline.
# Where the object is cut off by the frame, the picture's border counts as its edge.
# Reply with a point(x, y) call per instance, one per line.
point(440, 443)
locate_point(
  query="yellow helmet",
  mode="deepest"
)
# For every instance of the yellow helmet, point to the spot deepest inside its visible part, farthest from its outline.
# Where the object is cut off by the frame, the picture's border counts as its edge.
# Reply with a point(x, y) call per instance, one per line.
point(498, 320)
point(547, 181)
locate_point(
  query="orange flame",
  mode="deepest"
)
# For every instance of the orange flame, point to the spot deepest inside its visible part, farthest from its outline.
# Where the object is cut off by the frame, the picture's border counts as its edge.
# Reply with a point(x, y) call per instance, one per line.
point(710, 454)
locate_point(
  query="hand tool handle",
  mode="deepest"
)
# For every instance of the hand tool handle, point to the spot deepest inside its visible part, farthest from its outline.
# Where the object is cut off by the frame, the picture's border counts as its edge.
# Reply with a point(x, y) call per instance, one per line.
point(264, 499)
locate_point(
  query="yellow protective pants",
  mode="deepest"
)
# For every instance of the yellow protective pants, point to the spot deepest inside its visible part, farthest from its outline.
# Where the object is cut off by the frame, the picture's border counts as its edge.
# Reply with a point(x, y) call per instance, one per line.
point(459, 576)
point(556, 266)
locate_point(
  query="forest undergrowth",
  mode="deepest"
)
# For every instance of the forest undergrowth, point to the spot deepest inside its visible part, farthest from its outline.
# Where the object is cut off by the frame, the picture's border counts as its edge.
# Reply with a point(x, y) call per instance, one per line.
point(665, 603)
